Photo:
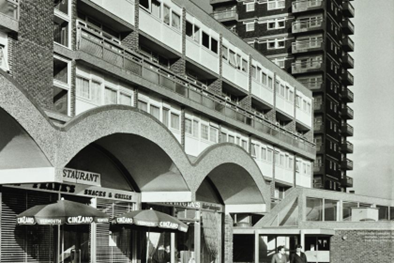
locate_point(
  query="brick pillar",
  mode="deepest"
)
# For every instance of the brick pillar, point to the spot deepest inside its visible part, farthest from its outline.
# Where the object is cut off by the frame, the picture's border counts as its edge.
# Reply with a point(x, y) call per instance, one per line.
point(131, 40)
point(309, 135)
point(74, 24)
point(228, 239)
point(291, 126)
point(183, 127)
point(216, 86)
point(73, 88)
point(246, 103)
point(271, 115)
point(135, 102)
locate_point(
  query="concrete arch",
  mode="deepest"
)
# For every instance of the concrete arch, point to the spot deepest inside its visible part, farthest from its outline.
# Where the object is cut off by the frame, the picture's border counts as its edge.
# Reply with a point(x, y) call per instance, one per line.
point(29, 116)
point(238, 166)
point(148, 150)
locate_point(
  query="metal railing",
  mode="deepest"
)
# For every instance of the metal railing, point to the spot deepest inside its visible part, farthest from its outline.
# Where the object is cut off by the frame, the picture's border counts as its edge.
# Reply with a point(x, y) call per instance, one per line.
point(10, 8)
point(349, 94)
point(311, 84)
point(301, 67)
point(304, 5)
point(347, 7)
point(225, 14)
point(349, 60)
point(311, 23)
point(350, 77)
point(96, 45)
point(349, 25)
point(349, 42)
point(305, 45)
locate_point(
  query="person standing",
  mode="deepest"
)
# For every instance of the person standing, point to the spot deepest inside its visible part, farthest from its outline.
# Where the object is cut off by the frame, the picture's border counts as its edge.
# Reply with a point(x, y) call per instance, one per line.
point(279, 257)
point(298, 256)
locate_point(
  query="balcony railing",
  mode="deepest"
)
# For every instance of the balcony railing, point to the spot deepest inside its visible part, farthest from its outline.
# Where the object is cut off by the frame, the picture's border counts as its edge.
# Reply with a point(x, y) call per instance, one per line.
point(306, 45)
point(305, 5)
point(347, 9)
point(348, 27)
point(302, 67)
point(348, 164)
point(347, 181)
point(348, 44)
point(226, 15)
point(307, 25)
point(348, 112)
point(348, 61)
point(347, 147)
point(95, 45)
point(348, 95)
point(10, 8)
point(347, 129)
point(312, 84)
point(317, 168)
point(348, 77)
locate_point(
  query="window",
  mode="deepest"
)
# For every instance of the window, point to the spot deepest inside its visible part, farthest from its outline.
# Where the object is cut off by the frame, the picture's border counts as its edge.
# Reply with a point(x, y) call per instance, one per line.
point(264, 78)
point(231, 138)
point(189, 29)
point(269, 155)
point(253, 150)
point(166, 117)
point(245, 145)
point(263, 153)
point(156, 10)
point(126, 99)
point(270, 82)
point(196, 34)
point(110, 96)
point(224, 52)
point(175, 121)
point(250, 7)
point(188, 126)
point(249, 26)
point(244, 65)
point(195, 128)
point(275, 4)
point(142, 105)
point(96, 91)
point(144, 3)
point(176, 21)
point(276, 157)
point(3, 52)
point(205, 39)
point(232, 60)
point(213, 134)
point(254, 72)
point(60, 32)
point(166, 15)
point(204, 131)
point(155, 111)
point(83, 88)
point(214, 45)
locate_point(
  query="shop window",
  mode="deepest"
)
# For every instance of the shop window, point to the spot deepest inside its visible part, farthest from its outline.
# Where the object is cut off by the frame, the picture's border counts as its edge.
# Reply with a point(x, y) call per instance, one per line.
point(314, 209)
point(330, 210)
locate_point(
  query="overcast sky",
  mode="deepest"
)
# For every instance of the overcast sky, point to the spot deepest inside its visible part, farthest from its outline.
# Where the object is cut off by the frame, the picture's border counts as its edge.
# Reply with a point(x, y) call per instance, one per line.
point(374, 98)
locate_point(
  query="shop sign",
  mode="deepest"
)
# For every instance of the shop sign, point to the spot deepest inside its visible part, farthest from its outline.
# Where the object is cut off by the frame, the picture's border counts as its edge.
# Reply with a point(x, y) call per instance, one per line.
point(195, 205)
point(81, 177)
point(79, 189)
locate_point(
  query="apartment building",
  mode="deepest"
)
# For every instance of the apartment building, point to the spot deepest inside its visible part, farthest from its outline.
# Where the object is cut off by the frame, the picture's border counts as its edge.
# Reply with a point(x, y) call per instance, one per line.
point(310, 39)
point(168, 108)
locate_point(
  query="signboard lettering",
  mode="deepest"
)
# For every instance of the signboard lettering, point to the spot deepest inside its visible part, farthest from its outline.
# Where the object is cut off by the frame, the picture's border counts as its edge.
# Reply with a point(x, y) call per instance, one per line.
point(82, 177)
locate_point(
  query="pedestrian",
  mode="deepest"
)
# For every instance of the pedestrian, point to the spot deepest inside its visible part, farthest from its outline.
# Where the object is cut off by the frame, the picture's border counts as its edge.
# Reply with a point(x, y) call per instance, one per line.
point(298, 256)
point(279, 257)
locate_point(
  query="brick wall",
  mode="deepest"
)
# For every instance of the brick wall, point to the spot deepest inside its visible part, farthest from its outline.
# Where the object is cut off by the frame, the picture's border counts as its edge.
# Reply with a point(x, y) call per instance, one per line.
point(228, 239)
point(355, 246)
point(32, 50)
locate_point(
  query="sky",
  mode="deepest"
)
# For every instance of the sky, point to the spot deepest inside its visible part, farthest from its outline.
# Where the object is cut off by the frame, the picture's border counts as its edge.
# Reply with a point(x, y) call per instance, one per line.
point(373, 98)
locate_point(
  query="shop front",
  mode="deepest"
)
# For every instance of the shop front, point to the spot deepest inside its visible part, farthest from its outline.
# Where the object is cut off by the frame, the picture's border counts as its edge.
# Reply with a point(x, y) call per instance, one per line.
point(81, 243)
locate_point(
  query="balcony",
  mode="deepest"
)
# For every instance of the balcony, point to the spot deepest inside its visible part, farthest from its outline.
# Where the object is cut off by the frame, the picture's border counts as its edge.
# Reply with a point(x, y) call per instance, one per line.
point(348, 27)
point(9, 15)
point(95, 45)
point(348, 44)
point(318, 168)
point(306, 45)
point(226, 15)
point(311, 24)
point(347, 129)
point(348, 78)
point(347, 9)
point(312, 84)
point(348, 95)
point(306, 66)
point(347, 181)
point(306, 5)
point(347, 164)
point(347, 147)
point(347, 112)
point(348, 61)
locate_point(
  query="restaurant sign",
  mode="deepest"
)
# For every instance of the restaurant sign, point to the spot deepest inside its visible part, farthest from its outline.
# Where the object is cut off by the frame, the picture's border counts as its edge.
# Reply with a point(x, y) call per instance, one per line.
point(81, 177)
